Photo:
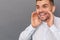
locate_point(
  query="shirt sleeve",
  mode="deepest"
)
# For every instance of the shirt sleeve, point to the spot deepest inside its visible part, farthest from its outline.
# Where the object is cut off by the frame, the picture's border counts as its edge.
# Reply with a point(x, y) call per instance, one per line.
point(55, 31)
point(27, 33)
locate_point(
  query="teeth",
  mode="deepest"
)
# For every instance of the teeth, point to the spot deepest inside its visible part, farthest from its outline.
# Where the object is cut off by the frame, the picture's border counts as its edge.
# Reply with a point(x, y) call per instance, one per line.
point(42, 14)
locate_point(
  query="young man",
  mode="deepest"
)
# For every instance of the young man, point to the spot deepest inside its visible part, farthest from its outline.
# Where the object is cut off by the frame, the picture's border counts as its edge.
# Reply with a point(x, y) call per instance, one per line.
point(44, 25)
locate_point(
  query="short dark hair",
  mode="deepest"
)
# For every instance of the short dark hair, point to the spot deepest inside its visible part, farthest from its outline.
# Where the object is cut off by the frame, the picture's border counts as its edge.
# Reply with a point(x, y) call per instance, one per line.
point(51, 1)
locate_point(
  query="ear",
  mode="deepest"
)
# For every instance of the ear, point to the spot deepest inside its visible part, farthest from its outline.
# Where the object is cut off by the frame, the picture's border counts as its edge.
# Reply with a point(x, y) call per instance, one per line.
point(53, 9)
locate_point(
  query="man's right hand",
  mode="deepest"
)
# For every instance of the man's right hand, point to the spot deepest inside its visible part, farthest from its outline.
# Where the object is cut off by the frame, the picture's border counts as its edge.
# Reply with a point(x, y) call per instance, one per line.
point(35, 20)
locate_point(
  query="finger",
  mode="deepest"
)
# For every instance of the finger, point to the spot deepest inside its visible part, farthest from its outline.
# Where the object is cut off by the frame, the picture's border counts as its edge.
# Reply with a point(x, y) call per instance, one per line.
point(50, 13)
point(34, 14)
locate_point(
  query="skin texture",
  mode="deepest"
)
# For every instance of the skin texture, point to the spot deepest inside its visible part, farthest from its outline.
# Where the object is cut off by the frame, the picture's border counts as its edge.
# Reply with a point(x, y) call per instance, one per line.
point(44, 12)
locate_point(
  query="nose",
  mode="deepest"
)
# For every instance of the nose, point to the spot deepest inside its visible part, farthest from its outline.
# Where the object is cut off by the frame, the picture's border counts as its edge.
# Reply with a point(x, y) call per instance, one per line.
point(41, 9)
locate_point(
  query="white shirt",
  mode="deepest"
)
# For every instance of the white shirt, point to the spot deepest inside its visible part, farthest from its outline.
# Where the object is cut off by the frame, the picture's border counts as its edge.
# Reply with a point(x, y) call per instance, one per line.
point(43, 32)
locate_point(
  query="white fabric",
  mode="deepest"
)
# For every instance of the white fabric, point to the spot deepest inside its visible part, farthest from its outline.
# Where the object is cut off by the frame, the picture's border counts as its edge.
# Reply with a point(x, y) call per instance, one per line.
point(43, 32)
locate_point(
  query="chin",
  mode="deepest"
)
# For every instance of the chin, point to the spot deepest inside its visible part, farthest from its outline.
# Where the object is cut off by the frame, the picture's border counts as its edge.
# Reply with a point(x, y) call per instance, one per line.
point(44, 19)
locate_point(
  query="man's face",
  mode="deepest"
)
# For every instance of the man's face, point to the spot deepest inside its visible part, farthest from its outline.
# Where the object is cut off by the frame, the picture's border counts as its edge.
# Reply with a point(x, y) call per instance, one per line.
point(42, 8)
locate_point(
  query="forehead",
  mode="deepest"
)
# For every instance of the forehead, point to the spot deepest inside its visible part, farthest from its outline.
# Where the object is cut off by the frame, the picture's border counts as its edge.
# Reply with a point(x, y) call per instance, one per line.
point(42, 2)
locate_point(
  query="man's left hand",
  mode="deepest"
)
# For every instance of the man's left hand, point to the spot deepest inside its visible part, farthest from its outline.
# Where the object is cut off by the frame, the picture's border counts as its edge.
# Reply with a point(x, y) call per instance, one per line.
point(50, 21)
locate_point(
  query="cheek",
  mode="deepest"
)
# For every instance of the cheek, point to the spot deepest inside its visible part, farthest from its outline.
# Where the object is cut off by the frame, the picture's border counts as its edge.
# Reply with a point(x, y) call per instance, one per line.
point(37, 10)
point(47, 15)
point(49, 9)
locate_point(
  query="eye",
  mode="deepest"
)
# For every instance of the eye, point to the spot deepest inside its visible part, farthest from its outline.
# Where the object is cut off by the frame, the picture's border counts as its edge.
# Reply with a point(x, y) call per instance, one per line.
point(37, 6)
point(45, 6)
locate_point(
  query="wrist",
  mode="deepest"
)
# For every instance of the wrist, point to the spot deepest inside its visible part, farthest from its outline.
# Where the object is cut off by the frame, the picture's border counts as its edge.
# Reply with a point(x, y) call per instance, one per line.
point(32, 27)
point(50, 25)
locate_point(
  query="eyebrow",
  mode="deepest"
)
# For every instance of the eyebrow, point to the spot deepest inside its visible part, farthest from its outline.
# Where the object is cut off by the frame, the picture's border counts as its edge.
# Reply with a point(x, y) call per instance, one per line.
point(45, 4)
point(37, 5)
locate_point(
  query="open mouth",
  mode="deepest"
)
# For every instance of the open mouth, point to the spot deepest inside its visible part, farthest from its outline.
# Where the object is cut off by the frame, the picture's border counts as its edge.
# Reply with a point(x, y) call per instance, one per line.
point(43, 14)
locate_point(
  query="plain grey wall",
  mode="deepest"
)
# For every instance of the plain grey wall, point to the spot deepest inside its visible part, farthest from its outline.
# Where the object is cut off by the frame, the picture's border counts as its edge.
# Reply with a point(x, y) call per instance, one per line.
point(15, 17)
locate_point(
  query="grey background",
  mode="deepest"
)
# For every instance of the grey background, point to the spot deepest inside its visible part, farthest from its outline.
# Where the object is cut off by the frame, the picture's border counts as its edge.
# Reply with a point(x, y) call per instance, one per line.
point(15, 17)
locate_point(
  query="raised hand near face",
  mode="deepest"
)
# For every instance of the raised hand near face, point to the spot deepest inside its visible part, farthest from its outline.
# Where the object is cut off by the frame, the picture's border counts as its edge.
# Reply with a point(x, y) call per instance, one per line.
point(35, 20)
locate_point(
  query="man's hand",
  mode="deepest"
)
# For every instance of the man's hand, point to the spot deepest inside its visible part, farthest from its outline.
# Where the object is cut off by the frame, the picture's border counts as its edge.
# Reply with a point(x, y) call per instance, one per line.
point(35, 20)
point(50, 21)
